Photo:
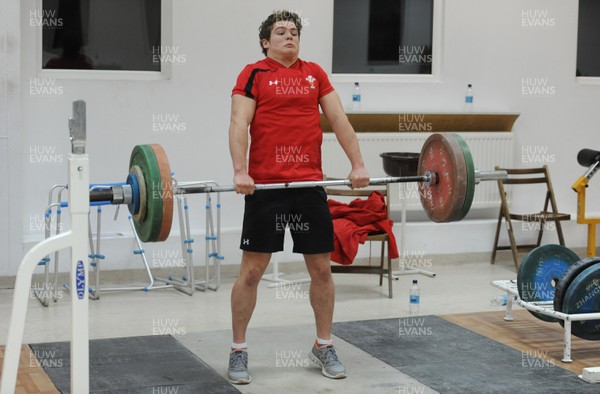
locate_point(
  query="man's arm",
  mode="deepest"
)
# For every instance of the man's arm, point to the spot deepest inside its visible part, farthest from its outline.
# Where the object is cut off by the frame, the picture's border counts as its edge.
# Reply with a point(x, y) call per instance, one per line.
point(242, 112)
point(334, 112)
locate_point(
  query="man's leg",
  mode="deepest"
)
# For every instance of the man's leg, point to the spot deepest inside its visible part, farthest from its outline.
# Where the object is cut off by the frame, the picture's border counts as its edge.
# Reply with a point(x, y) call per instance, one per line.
point(322, 291)
point(243, 294)
point(243, 300)
point(322, 298)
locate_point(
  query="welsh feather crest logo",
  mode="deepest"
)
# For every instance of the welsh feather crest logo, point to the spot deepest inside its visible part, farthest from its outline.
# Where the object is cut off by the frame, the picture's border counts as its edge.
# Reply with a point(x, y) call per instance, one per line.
point(311, 80)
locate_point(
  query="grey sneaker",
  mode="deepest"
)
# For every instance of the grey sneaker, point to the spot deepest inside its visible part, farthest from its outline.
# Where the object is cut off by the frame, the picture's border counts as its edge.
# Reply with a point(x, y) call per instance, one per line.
point(238, 367)
point(326, 358)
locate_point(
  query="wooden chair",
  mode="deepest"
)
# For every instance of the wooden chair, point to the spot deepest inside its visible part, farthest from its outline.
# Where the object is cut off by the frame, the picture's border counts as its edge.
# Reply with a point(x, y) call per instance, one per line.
point(549, 213)
point(382, 268)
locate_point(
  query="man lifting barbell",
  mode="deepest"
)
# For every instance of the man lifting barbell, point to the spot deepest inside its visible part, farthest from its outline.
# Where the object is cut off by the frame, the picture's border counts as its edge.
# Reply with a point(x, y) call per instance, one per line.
point(278, 100)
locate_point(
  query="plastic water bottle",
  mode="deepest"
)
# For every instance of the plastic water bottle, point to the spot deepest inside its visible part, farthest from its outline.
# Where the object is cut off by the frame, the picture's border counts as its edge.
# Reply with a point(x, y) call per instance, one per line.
point(469, 98)
point(356, 97)
point(414, 298)
point(500, 300)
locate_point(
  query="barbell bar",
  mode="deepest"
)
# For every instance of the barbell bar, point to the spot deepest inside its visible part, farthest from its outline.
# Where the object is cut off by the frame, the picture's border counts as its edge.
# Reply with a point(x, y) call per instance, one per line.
point(211, 187)
point(446, 176)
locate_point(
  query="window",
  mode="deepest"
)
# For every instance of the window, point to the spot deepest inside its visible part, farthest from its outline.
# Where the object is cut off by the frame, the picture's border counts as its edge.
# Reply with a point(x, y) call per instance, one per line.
point(386, 38)
point(116, 36)
point(588, 39)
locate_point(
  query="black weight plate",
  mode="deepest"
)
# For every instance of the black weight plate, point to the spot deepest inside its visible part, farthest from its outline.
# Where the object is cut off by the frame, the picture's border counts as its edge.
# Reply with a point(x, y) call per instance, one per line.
point(565, 281)
point(540, 271)
point(583, 296)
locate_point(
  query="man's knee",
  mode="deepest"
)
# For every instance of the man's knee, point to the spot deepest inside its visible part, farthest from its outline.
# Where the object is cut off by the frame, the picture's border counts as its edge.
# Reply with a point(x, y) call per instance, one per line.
point(253, 268)
point(323, 272)
point(319, 267)
point(251, 276)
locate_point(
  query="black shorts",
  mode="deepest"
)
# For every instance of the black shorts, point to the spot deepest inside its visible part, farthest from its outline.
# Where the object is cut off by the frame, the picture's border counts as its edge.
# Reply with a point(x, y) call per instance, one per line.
point(303, 211)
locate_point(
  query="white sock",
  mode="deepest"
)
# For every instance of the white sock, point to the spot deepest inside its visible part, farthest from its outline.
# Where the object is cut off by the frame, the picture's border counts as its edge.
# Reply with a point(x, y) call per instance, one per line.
point(239, 345)
point(322, 342)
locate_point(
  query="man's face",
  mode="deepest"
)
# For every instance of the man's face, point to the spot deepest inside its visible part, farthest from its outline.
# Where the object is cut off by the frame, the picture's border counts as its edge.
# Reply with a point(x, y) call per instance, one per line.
point(284, 41)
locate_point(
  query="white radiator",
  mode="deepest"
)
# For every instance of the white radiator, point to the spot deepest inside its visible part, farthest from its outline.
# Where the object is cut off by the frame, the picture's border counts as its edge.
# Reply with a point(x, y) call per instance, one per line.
point(489, 149)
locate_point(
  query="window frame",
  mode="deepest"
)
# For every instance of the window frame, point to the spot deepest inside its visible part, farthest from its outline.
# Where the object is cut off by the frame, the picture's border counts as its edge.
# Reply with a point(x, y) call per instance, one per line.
point(583, 80)
point(587, 80)
point(165, 73)
point(436, 66)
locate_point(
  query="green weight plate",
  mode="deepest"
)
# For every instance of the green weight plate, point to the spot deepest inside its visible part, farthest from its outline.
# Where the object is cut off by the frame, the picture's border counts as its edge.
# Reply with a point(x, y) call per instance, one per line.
point(470, 176)
point(568, 277)
point(148, 228)
point(540, 271)
point(583, 296)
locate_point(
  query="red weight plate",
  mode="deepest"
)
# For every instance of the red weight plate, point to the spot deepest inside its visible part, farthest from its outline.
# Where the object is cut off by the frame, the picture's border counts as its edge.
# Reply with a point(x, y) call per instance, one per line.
point(444, 200)
point(461, 176)
point(166, 191)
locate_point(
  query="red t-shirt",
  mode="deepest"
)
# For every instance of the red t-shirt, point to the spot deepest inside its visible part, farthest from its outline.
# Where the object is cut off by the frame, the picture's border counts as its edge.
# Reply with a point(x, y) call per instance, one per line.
point(285, 132)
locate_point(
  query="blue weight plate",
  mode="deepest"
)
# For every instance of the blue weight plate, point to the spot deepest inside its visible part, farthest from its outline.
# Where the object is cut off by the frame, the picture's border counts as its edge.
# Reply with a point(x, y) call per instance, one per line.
point(134, 206)
point(540, 271)
point(143, 196)
point(583, 296)
point(568, 277)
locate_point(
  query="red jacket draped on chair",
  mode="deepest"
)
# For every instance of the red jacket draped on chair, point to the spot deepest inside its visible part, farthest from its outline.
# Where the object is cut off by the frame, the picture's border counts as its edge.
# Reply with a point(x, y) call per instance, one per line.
point(354, 221)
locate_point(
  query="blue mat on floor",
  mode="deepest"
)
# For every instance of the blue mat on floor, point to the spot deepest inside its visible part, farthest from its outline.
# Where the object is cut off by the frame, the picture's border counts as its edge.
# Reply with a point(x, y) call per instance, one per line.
point(451, 359)
point(149, 364)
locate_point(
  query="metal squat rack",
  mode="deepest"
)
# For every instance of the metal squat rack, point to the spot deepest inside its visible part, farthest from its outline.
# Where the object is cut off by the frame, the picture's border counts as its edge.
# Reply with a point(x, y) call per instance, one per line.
point(544, 308)
point(49, 289)
point(212, 277)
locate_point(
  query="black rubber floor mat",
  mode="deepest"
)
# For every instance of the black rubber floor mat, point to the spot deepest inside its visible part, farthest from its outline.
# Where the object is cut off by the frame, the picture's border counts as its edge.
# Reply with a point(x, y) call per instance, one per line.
point(148, 364)
point(452, 359)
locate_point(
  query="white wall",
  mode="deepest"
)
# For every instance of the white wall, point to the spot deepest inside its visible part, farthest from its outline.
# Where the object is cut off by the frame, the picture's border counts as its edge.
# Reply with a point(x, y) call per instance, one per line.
point(11, 234)
point(484, 44)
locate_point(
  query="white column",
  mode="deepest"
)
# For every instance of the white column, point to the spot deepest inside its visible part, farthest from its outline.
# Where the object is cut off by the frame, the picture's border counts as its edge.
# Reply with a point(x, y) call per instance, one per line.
point(79, 208)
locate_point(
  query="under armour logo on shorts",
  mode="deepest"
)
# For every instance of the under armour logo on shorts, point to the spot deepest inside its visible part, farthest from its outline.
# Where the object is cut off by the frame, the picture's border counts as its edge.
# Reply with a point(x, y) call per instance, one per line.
point(245, 242)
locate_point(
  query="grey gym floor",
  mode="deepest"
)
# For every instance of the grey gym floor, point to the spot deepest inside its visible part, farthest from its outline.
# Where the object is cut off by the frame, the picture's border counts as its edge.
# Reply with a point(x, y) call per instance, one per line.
point(282, 326)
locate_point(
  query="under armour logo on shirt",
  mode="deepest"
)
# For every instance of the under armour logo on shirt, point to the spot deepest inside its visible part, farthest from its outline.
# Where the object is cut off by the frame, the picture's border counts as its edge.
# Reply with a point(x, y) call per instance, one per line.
point(245, 242)
point(274, 83)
